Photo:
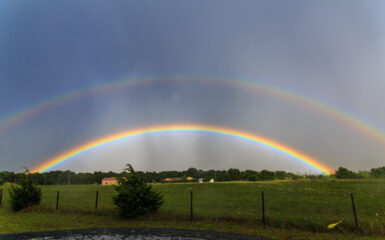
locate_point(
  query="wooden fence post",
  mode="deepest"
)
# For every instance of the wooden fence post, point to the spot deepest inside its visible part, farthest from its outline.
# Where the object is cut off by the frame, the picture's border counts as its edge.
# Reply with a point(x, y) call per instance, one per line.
point(57, 200)
point(97, 200)
point(354, 210)
point(191, 205)
point(263, 209)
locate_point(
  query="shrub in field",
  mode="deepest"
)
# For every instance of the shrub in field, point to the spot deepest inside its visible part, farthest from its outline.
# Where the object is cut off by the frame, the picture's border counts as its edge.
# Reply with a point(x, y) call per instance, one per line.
point(24, 195)
point(135, 197)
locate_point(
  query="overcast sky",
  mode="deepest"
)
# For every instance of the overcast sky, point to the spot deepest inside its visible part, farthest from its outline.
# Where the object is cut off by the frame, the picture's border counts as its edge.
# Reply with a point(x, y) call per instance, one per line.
point(330, 51)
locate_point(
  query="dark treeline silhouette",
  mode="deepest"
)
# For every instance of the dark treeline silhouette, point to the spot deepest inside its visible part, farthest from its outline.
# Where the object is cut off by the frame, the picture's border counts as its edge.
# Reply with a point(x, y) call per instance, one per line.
point(233, 174)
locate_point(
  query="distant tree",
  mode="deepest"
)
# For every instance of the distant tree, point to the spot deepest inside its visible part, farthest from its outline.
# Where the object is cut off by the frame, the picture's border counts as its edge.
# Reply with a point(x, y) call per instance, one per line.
point(364, 174)
point(378, 172)
point(192, 172)
point(220, 175)
point(280, 175)
point(234, 174)
point(266, 175)
point(344, 173)
point(135, 197)
point(254, 177)
point(6, 177)
point(24, 195)
point(37, 178)
point(294, 176)
point(250, 175)
point(62, 177)
point(208, 175)
point(311, 176)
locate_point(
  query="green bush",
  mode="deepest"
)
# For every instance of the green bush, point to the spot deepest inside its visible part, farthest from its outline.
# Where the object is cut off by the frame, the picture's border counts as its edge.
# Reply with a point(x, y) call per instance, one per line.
point(24, 195)
point(135, 197)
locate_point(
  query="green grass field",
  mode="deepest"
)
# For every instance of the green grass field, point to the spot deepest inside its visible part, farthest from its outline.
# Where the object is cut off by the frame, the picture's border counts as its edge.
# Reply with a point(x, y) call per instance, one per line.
point(294, 209)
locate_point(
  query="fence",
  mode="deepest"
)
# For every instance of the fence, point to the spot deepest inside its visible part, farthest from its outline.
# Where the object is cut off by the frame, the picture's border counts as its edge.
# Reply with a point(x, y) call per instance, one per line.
point(308, 207)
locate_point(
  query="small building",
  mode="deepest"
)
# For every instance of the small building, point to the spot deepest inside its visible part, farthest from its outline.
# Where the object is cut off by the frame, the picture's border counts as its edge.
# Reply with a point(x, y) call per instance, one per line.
point(178, 179)
point(190, 179)
point(109, 181)
point(212, 180)
point(200, 180)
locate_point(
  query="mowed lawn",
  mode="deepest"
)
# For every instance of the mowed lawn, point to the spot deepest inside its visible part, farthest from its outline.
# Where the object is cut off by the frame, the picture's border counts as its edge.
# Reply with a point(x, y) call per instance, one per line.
point(295, 208)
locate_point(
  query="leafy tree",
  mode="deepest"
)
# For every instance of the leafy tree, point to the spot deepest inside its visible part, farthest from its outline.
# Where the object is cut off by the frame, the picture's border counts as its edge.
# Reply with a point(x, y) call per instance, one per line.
point(234, 174)
point(6, 177)
point(266, 175)
point(365, 174)
point(254, 177)
point(135, 197)
point(344, 173)
point(250, 175)
point(221, 175)
point(62, 177)
point(378, 172)
point(24, 195)
point(280, 175)
point(192, 172)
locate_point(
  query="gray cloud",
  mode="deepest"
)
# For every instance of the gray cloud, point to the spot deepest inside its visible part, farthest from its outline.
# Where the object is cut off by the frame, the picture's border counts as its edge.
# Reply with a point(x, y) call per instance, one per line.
point(331, 51)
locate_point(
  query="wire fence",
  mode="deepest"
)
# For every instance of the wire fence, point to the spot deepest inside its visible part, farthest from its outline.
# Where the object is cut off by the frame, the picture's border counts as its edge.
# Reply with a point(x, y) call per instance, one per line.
point(277, 206)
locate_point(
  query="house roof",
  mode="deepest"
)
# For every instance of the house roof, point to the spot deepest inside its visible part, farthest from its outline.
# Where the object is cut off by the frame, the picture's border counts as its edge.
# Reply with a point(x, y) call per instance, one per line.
point(109, 179)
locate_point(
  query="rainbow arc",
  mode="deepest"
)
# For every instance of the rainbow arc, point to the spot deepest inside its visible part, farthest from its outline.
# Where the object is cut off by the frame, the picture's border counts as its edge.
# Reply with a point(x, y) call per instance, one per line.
point(257, 88)
point(183, 128)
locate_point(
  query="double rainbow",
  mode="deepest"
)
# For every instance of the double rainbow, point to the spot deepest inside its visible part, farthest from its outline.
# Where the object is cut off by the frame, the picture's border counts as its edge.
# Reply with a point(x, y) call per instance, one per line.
point(330, 111)
point(182, 128)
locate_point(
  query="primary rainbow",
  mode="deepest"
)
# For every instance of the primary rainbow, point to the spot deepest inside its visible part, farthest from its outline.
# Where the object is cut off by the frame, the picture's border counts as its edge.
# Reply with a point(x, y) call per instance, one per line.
point(330, 111)
point(70, 154)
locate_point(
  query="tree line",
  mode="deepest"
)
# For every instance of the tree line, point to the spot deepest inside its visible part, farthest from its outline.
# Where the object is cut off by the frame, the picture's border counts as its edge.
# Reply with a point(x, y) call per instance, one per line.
point(232, 174)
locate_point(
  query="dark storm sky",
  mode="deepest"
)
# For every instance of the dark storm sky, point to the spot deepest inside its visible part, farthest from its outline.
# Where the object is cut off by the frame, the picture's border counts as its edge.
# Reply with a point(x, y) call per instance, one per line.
point(332, 51)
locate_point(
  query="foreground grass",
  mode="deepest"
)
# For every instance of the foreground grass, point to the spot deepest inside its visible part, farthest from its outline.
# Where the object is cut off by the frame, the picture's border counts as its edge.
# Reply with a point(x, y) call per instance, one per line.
point(294, 209)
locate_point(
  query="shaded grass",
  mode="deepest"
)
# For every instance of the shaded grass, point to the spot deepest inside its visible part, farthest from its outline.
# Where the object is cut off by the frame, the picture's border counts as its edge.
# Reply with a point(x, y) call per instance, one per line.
point(293, 208)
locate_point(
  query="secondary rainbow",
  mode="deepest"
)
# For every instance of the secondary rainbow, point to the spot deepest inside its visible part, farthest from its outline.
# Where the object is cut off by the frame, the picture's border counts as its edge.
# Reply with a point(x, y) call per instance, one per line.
point(330, 111)
point(75, 152)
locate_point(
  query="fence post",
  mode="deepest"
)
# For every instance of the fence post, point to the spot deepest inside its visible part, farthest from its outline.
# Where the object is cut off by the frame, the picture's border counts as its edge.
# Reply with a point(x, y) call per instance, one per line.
point(263, 209)
point(1, 197)
point(191, 205)
point(97, 200)
point(57, 200)
point(354, 210)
